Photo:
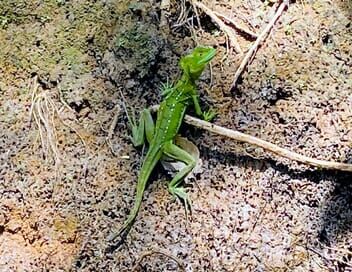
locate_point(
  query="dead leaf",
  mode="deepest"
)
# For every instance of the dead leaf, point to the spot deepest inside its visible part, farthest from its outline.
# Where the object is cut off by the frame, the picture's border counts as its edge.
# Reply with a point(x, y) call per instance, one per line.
point(172, 166)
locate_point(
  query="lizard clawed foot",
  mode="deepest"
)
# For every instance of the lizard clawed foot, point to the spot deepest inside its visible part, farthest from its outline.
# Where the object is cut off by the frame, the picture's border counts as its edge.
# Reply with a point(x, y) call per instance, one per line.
point(209, 115)
point(135, 135)
point(183, 196)
point(131, 117)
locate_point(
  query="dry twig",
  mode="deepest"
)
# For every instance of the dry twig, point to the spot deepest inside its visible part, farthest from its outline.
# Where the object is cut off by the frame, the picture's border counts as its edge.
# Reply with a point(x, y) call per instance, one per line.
point(222, 26)
point(331, 260)
point(117, 111)
point(34, 85)
point(236, 25)
point(248, 57)
point(242, 137)
point(182, 17)
point(160, 252)
point(164, 7)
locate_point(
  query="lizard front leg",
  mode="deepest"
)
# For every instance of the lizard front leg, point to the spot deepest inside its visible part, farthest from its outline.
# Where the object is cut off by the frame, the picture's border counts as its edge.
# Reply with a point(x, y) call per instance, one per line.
point(206, 115)
point(175, 152)
point(144, 129)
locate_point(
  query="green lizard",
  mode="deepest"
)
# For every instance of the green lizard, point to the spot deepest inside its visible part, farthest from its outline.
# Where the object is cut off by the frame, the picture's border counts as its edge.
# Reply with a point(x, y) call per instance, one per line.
point(161, 135)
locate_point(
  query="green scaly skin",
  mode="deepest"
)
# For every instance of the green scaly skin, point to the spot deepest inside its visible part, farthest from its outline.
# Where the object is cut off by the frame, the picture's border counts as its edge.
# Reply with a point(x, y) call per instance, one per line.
point(160, 136)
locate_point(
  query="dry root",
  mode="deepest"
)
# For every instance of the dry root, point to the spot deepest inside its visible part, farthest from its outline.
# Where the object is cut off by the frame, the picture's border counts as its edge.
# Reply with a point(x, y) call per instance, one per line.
point(43, 113)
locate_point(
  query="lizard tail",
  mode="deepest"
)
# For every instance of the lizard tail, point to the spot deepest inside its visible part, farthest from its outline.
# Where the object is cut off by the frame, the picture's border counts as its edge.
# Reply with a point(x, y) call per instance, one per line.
point(126, 227)
point(147, 168)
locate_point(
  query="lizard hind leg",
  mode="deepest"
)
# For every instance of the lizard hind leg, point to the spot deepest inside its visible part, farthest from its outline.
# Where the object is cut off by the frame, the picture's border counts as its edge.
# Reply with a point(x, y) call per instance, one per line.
point(144, 129)
point(177, 153)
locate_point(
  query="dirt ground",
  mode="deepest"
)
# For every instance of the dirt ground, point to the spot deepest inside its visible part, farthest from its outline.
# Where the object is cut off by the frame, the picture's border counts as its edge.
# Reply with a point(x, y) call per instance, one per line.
point(68, 170)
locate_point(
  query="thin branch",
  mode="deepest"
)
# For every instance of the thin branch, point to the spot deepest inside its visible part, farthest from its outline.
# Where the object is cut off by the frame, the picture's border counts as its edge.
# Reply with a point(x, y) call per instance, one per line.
point(222, 26)
point(242, 137)
point(236, 25)
point(183, 14)
point(342, 250)
point(165, 9)
point(160, 252)
point(113, 124)
point(256, 44)
point(35, 87)
point(330, 259)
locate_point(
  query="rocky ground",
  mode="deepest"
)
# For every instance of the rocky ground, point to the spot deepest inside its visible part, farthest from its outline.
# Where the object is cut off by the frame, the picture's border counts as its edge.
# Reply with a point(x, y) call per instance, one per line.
point(68, 170)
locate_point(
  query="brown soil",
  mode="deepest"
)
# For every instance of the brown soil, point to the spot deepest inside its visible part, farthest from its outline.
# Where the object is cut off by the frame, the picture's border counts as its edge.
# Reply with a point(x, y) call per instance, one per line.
point(65, 186)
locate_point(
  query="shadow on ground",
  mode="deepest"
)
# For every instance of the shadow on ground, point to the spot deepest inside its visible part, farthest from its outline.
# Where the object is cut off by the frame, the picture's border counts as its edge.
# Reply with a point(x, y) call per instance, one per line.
point(336, 217)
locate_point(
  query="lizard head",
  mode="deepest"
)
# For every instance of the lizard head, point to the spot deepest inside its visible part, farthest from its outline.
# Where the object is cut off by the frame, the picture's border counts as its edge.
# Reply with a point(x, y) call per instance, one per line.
point(194, 63)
